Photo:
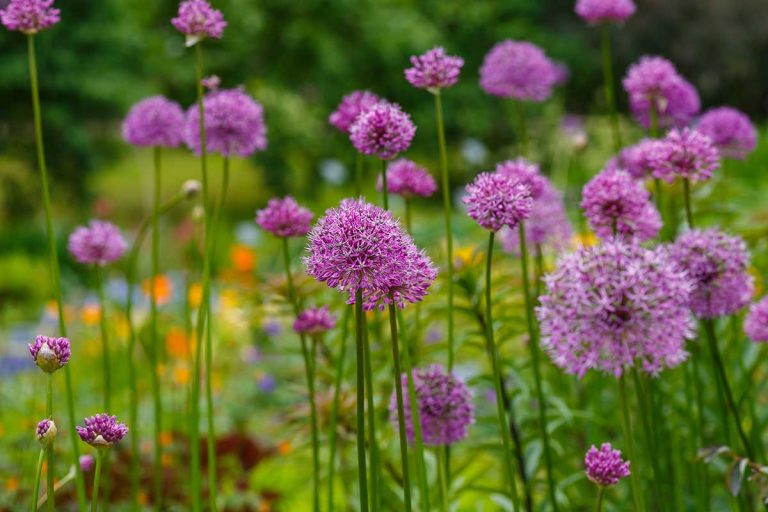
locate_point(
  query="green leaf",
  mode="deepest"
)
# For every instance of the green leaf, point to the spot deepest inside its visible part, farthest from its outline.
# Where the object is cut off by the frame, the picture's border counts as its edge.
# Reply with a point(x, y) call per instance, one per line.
point(736, 476)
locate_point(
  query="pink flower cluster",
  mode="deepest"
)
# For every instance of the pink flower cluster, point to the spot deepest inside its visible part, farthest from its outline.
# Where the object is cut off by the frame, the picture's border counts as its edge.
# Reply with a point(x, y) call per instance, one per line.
point(50, 354)
point(314, 321)
point(756, 323)
point(434, 70)
point(284, 218)
point(154, 121)
point(408, 179)
point(547, 226)
point(602, 11)
point(29, 16)
point(605, 466)
point(198, 20)
point(495, 200)
point(102, 430)
point(685, 154)
point(519, 70)
point(351, 106)
point(383, 130)
point(99, 243)
point(731, 131)
point(636, 159)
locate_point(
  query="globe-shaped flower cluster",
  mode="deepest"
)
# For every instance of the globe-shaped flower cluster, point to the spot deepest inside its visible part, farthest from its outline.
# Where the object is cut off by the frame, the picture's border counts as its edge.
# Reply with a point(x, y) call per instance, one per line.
point(731, 131)
point(605, 466)
point(756, 323)
point(434, 70)
point(101, 430)
point(383, 130)
point(495, 200)
point(314, 321)
point(685, 153)
point(519, 70)
point(29, 16)
point(351, 106)
point(154, 121)
point(408, 179)
point(284, 218)
point(99, 243)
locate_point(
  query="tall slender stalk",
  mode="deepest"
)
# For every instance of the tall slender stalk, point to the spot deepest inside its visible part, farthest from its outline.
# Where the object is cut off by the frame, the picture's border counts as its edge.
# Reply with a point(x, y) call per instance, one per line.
point(373, 444)
point(53, 259)
point(360, 357)
point(105, 363)
point(687, 196)
point(358, 174)
point(637, 497)
point(599, 499)
point(384, 191)
point(96, 482)
point(50, 474)
point(442, 478)
point(38, 473)
point(522, 128)
point(332, 432)
point(610, 96)
point(400, 407)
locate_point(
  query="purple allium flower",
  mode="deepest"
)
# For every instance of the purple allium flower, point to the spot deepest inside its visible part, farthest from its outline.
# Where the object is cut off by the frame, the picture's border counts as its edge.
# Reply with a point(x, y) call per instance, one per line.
point(359, 246)
point(756, 323)
point(102, 431)
point(601, 11)
point(613, 306)
point(444, 404)
point(408, 179)
point(87, 463)
point(272, 328)
point(547, 225)
point(198, 20)
point(730, 130)
point(284, 218)
point(525, 173)
point(614, 199)
point(351, 106)
point(234, 124)
point(383, 130)
point(655, 81)
point(518, 69)
point(314, 321)
point(496, 200)
point(212, 83)
point(605, 466)
point(434, 70)
point(29, 16)
point(46, 432)
point(50, 354)
point(99, 243)
point(717, 264)
point(636, 159)
point(267, 383)
point(154, 121)
point(685, 153)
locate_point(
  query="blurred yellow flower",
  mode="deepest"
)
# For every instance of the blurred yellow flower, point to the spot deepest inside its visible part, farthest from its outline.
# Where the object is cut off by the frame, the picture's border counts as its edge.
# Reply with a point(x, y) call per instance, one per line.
point(166, 438)
point(243, 258)
point(181, 375)
point(177, 343)
point(195, 295)
point(91, 314)
point(12, 484)
point(587, 239)
point(467, 256)
point(229, 298)
point(284, 447)
point(162, 289)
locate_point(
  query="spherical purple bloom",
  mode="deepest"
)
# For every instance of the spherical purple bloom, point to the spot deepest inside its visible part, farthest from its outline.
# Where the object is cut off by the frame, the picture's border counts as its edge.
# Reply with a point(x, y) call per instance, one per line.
point(601, 11)
point(284, 218)
point(685, 153)
point(495, 200)
point(731, 131)
point(198, 20)
point(756, 323)
point(29, 16)
point(154, 121)
point(605, 466)
point(408, 179)
point(359, 246)
point(525, 173)
point(50, 354)
point(87, 463)
point(444, 405)
point(636, 159)
point(102, 431)
point(613, 306)
point(518, 69)
point(434, 70)
point(614, 200)
point(100, 243)
point(314, 321)
point(655, 81)
point(717, 264)
point(547, 226)
point(351, 106)
point(46, 432)
point(234, 124)
point(383, 130)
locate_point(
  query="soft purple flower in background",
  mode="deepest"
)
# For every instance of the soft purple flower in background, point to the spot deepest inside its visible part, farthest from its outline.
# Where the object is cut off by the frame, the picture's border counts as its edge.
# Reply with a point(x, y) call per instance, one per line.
point(29, 16)
point(434, 70)
point(251, 354)
point(731, 131)
point(434, 334)
point(234, 124)
point(519, 70)
point(495, 200)
point(547, 226)
point(602, 11)
point(154, 121)
point(444, 404)
point(267, 383)
point(46, 432)
point(212, 83)
point(87, 463)
point(613, 198)
point(101, 430)
point(756, 322)
point(614, 306)
point(573, 128)
point(562, 73)
point(408, 179)
point(525, 173)
point(655, 81)
point(99, 243)
point(636, 159)
point(605, 466)
point(717, 263)
point(50, 354)
point(285, 218)
point(198, 20)
point(383, 130)
point(272, 328)
point(686, 154)
point(351, 106)
point(314, 321)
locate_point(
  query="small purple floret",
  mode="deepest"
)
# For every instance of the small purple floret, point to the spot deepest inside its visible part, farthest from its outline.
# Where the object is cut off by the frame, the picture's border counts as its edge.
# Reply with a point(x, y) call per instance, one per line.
point(408, 179)
point(434, 70)
point(383, 130)
point(50, 354)
point(731, 131)
point(102, 430)
point(495, 200)
point(284, 218)
point(99, 243)
point(605, 466)
point(154, 121)
point(198, 20)
point(29, 16)
point(314, 321)
point(519, 70)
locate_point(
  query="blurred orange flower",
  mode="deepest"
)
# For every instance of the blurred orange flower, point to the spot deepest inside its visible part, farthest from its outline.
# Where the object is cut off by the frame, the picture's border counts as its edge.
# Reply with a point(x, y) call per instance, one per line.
point(162, 289)
point(91, 314)
point(284, 447)
point(12, 484)
point(177, 343)
point(243, 258)
point(181, 375)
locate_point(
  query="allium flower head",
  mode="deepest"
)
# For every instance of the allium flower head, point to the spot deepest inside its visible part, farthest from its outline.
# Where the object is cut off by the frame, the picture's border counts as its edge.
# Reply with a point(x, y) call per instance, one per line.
point(314, 321)
point(444, 404)
point(234, 124)
point(519, 70)
point(87, 463)
point(605, 466)
point(526, 173)
point(636, 159)
point(730, 130)
point(717, 264)
point(614, 198)
point(154, 121)
point(756, 323)
point(495, 200)
point(434, 70)
point(383, 130)
point(198, 20)
point(613, 306)
point(408, 179)
point(547, 225)
point(46, 432)
point(29, 16)
point(351, 106)
point(685, 153)
point(359, 246)
point(50, 354)
point(602, 11)
point(102, 431)
point(284, 218)
point(99, 243)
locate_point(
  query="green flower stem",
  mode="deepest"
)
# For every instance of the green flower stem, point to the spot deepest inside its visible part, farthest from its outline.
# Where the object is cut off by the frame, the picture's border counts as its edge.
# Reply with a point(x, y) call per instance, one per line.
point(372, 440)
point(54, 263)
point(38, 473)
point(533, 345)
point(96, 482)
point(400, 407)
point(105, 363)
point(358, 174)
point(698, 477)
point(610, 96)
point(522, 128)
point(599, 499)
point(359, 350)
point(654, 133)
point(334, 420)
point(384, 191)
point(687, 196)
point(637, 497)
point(441, 476)
point(49, 450)
point(650, 449)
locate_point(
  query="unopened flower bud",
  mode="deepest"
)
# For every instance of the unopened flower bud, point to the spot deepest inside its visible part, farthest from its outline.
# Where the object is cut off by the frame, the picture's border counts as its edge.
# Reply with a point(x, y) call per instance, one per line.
point(46, 432)
point(50, 354)
point(191, 189)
